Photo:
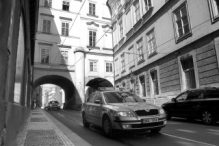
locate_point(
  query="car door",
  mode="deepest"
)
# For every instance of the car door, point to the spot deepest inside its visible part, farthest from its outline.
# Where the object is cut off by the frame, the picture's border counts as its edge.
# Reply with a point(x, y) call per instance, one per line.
point(178, 108)
point(89, 108)
point(97, 109)
point(194, 103)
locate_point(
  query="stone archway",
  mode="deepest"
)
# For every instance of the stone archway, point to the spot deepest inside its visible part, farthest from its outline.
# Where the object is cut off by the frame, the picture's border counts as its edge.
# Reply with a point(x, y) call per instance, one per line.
point(72, 97)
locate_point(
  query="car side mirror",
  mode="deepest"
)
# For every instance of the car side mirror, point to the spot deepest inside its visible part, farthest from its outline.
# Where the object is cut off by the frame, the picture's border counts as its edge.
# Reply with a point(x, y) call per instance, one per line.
point(173, 99)
point(97, 101)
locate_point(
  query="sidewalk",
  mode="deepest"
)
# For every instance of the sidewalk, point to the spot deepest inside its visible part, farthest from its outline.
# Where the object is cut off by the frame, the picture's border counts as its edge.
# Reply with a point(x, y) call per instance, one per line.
point(42, 129)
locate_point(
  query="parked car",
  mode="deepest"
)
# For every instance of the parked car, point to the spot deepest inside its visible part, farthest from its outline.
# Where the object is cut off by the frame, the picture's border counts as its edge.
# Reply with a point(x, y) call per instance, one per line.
point(116, 111)
point(200, 103)
point(54, 105)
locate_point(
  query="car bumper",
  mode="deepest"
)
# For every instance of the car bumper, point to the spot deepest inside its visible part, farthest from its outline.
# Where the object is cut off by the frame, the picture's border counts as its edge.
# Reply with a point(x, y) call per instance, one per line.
point(138, 125)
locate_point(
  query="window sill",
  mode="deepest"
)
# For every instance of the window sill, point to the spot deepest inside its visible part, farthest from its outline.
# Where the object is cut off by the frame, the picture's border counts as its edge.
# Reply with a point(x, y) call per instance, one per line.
point(66, 10)
point(93, 47)
point(147, 14)
point(106, 18)
point(215, 19)
point(117, 75)
point(92, 15)
point(129, 33)
point(137, 25)
point(131, 67)
point(179, 39)
point(46, 33)
point(152, 54)
point(121, 41)
point(123, 71)
point(107, 49)
point(141, 61)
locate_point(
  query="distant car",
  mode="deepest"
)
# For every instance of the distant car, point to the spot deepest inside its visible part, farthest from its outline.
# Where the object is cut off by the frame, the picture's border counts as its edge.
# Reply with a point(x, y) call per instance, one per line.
point(116, 111)
point(200, 103)
point(53, 105)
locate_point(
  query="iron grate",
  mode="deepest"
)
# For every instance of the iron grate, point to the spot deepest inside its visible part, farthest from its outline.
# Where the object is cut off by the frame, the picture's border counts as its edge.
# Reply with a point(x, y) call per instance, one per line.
point(38, 120)
point(42, 138)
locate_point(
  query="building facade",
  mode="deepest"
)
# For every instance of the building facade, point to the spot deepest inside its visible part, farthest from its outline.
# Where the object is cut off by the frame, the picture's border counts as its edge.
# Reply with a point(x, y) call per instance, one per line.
point(17, 31)
point(74, 42)
point(164, 47)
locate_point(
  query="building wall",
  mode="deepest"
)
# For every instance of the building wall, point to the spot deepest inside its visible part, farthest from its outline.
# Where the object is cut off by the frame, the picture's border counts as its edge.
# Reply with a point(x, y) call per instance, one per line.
point(200, 44)
point(80, 22)
point(16, 61)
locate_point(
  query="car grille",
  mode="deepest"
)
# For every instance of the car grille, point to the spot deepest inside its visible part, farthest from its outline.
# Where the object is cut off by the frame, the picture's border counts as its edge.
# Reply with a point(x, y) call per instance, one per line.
point(145, 113)
point(147, 125)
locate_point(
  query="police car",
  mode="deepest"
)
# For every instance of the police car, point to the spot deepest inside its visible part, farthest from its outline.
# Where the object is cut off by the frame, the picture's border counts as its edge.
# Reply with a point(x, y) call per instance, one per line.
point(116, 111)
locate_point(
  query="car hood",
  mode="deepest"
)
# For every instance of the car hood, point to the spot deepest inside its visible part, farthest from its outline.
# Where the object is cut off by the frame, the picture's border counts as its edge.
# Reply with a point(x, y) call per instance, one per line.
point(132, 106)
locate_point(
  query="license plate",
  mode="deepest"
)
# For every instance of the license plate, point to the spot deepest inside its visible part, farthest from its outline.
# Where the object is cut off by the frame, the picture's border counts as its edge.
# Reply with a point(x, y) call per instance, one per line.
point(150, 120)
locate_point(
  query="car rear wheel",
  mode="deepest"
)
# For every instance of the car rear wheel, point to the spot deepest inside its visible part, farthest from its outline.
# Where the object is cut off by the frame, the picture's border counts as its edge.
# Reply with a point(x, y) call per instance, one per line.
point(168, 116)
point(85, 123)
point(107, 127)
point(207, 117)
point(157, 130)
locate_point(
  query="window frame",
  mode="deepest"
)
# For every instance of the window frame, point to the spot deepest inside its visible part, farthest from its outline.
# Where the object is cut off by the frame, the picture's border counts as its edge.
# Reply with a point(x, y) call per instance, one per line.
point(93, 68)
point(110, 70)
point(91, 38)
point(214, 17)
point(153, 40)
point(47, 49)
point(123, 62)
point(137, 11)
point(64, 59)
point(140, 50)
point(179, 38)
point(42, 26)
point(121, 28)
point(147, 6)
point(49, 3)
point(65, 33)
point(92, 10)
point(67, 4)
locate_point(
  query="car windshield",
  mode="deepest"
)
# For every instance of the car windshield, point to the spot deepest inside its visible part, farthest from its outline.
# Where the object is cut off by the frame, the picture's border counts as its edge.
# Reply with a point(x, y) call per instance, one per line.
point(54, 102)
point(121, 97)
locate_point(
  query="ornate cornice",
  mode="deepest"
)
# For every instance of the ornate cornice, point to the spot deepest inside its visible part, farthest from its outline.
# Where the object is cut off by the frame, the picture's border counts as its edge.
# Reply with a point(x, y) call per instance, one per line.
point(92, 23)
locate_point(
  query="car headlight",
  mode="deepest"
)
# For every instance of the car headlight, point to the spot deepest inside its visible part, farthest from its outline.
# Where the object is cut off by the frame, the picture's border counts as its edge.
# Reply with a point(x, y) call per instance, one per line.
point(161, 111)
point(124, 114)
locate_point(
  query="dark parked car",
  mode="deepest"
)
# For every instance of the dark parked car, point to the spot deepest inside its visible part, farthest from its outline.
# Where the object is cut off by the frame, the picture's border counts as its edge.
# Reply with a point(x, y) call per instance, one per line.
point(116, 111)
point(54, 105)
point(200, 103)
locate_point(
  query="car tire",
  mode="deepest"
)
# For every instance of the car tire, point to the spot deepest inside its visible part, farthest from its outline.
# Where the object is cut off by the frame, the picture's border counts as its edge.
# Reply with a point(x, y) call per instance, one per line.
point(207, 117)
point(107, 127)
point(157, 130)
point(85, 123)
point(168, 116)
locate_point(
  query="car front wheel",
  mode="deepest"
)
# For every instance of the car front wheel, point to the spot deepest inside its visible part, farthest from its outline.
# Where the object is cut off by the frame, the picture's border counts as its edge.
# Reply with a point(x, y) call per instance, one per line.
point(107, 127)
point(168, 116)
point(207, 117)
point(85, 123)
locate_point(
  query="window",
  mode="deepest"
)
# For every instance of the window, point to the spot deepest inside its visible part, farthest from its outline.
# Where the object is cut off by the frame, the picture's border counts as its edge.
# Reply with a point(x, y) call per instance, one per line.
point(137, 11)
point(92, 38)
point(65, 29)
point(121, 29)
point(151, 42)
point(44, 55)
point(128, 20)
point(189, 73)
point(65, 6)
point(123, 62)
point(142, 85)
point(93, 66)
point(47, 3)
point(182, 96)
point(182, 21)
point(148, 5)
point(131, 57)
point(212, 94)
point(215, 8)
point(154, 78)
point(140, 50)
point(64, 57)
point(109, 67)
point(92, 8)
point(46, 26)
